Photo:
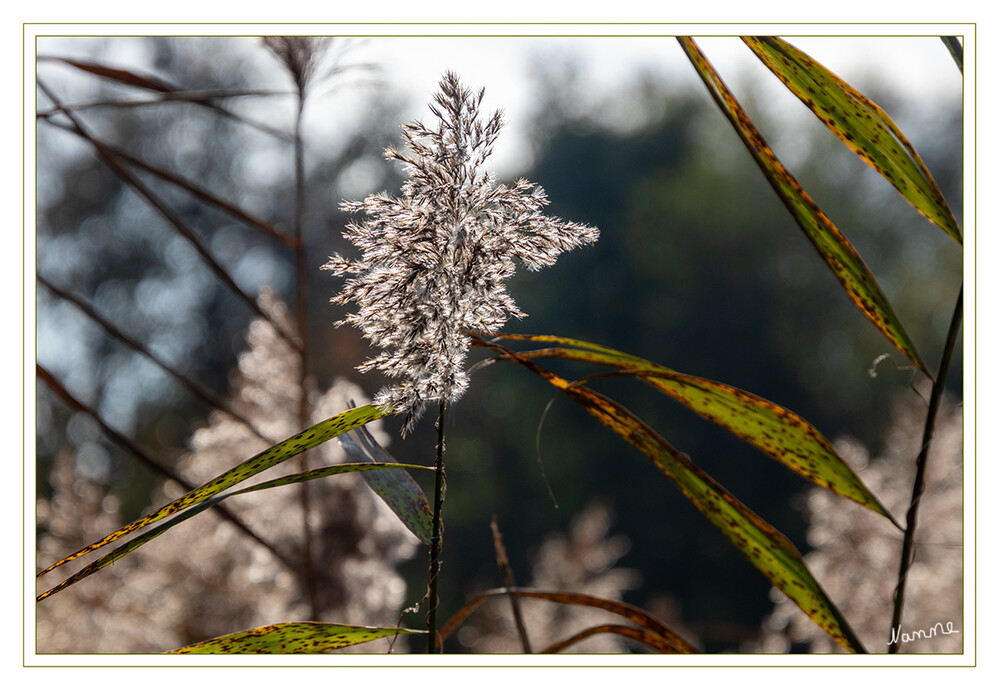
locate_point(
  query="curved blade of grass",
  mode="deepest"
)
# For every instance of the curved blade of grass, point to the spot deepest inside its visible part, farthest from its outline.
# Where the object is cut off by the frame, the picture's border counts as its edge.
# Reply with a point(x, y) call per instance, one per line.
point(775, 430)
point(157, 466)
point(147, 537)
point(291, 638)
point(646, 637)
point(860, 123)
point(394, 486)
point(636, 615)
point(956, 50)
point(310, 438)
point(121, 76)
point(162, 86)
point(321, 472)
point(832, 245)
point(767, 549)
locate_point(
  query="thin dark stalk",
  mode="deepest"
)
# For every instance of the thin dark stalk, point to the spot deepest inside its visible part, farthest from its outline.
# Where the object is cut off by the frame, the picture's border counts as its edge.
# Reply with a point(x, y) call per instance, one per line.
point(919, 483)
point(193, 96)
point(301, 267)
point(190, 384)
point(301, 318)
point(440, 484)
point(129, 177)
point(59, 389)
point(504, 564)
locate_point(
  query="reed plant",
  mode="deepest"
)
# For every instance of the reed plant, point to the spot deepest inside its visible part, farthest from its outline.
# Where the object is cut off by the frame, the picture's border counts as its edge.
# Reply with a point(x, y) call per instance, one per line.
point(430, 284)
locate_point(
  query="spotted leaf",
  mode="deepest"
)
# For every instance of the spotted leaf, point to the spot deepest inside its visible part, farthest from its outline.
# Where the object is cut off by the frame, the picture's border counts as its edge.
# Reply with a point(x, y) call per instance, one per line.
point(299, 443)
point(775, 430)
point(149, 535)
point(860, 123)
point(291, 638)
point(831, 244)
point(767, 549)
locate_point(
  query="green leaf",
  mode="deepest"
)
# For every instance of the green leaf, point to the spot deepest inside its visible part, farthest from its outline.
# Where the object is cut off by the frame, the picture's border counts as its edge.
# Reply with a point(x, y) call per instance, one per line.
point(394, 486)
point(291, 638)
point(765, 547)
point(328, 471)
point(299, 443)
point(832, 245)
point(775, 430)
point(860, 123)
point(147, 537)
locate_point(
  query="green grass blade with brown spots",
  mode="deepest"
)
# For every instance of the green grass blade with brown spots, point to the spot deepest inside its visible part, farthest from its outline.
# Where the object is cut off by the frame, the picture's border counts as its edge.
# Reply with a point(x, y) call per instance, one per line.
point(146, 537)
point(310, 438)
point(291, 638)
point(860, 123)
point(832, 245)
point(767, 549)
point(775, 430)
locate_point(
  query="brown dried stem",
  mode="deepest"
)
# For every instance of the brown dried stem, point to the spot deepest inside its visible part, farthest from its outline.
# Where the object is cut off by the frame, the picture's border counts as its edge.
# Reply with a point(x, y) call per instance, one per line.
point(504, 564)
point(301, 319)
point(919, 483)
point(646, 637)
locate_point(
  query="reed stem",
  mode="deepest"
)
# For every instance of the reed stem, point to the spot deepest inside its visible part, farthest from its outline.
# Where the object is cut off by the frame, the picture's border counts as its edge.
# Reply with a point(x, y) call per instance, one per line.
point(919, 483)
point(440, 484)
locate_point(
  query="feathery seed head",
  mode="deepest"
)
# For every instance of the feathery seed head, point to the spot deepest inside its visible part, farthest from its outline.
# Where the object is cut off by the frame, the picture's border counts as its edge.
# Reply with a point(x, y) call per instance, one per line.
point(300, 55)
point(433, 260)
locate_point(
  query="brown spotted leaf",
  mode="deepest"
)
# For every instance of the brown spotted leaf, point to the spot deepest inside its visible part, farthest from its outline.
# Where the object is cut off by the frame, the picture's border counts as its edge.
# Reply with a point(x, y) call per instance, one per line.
point(775, 430)
point(860, 123)
point(767, 549)
point(146, 537)
point(299, 443)
point(832, 245)
point(291, 638)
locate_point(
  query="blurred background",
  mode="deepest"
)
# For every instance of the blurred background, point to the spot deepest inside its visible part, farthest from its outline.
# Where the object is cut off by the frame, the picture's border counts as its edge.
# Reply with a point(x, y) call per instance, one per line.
point(699, 267)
